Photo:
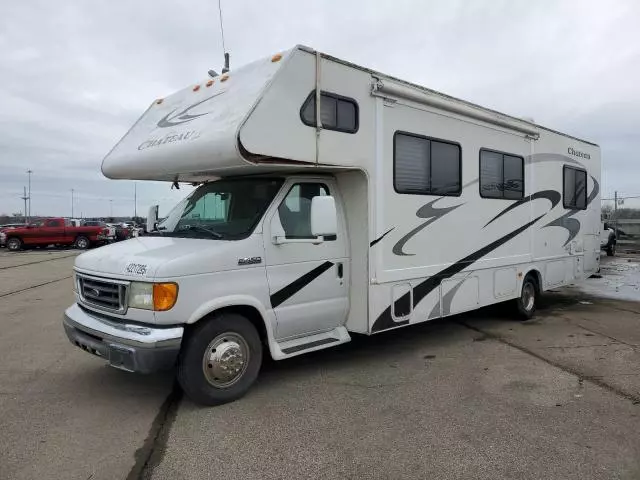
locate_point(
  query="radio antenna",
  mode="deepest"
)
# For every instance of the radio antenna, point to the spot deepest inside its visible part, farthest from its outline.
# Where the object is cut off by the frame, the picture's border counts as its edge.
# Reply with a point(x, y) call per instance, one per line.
point(225, 69)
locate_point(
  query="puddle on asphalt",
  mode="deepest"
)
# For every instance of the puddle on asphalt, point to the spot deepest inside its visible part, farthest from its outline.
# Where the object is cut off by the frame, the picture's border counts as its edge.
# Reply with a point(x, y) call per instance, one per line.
point(619, 278)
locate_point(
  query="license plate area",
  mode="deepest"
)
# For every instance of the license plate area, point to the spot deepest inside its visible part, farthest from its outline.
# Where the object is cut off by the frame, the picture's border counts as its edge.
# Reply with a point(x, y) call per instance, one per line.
point(121, 357)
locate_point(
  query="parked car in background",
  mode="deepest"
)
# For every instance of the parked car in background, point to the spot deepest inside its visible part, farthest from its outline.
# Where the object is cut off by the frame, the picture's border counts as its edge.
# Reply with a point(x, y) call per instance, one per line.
point(123, 232)
point(6, 227)
point(608, 239)
point(54, 231)
point(111, 230)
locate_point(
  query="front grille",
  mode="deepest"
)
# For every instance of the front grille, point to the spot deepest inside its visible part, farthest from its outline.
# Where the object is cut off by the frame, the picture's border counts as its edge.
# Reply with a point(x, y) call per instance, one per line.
point(104, 294)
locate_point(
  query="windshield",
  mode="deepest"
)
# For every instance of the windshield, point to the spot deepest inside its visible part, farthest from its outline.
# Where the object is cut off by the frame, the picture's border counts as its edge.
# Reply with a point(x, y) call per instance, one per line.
point(228, 209)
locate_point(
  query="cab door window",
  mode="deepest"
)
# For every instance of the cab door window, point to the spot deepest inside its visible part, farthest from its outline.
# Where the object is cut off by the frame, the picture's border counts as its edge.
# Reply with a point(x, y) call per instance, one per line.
point(295, 210)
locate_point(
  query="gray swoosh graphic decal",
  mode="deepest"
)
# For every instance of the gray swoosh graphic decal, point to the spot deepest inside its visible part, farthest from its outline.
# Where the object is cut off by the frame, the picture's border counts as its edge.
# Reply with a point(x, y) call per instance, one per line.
point(446, 301)
point(468, 184)
point(426, 211)
point(422, 289)
point(572, 225)
point(551, 157)
point(381, 237)
point(172, 119)
point(594, 192)
point(551, 195)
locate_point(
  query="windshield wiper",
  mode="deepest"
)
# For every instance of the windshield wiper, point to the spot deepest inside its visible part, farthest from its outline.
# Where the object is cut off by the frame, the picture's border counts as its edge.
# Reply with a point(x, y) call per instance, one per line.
point(201, 229)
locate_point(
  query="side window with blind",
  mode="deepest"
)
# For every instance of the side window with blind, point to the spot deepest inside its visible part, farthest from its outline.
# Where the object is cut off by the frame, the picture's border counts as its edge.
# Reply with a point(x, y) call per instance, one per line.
point(574, 195)
point(336, 112)
point(501, 175)
point(426, 166)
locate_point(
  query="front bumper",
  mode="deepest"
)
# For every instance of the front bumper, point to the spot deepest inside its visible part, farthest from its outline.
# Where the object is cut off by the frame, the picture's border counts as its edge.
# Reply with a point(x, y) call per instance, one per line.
point(129, 347)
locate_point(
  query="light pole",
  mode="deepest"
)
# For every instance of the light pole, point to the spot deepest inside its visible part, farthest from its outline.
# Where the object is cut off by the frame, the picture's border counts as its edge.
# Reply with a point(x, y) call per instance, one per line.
point(25, 198)
point(135, 199)
point(29, 172)
point(111, 208)
point(72, 203)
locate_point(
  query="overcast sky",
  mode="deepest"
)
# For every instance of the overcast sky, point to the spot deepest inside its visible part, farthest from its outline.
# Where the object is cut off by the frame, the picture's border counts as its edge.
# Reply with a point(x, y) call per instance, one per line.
point(74, 75)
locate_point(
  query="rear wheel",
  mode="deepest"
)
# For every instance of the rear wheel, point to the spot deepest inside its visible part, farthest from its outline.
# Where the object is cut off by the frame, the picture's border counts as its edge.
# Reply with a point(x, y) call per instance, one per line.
point(220, 359)
point(14, 244)
point(82, 243)
point(526, 303)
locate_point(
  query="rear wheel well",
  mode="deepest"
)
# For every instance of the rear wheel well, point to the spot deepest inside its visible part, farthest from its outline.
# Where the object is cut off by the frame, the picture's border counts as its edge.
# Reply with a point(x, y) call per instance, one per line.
point(535, 274)
point(250, 313)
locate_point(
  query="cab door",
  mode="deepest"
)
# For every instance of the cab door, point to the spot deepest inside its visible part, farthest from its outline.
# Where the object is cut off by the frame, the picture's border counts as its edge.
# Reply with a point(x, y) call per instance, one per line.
point(308, 282)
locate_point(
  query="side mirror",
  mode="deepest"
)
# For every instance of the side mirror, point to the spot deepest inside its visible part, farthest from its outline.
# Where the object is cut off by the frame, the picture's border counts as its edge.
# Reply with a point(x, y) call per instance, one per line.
point(152, 218)
point(324, 218)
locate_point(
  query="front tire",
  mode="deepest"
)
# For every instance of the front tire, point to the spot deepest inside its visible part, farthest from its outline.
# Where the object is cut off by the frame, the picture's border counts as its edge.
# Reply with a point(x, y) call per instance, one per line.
point(220, 359)
point(526, 303)
point(14, 244)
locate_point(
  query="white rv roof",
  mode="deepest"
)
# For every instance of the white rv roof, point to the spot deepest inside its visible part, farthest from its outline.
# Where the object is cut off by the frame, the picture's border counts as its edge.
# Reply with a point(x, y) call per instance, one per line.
point(193, 134)
point(444, 96)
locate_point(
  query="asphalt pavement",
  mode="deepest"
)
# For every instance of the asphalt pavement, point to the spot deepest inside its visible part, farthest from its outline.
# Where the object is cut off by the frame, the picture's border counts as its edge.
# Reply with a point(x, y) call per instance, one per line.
point(474, 396)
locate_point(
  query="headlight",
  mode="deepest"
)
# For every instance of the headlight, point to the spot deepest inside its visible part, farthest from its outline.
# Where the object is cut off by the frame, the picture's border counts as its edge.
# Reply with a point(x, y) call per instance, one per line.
point(153, 296)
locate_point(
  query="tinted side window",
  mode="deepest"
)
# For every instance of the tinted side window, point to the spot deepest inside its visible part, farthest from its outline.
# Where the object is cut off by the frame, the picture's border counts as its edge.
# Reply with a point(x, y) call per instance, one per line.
point(412, 164)
point(501, 175)
point(574, 193)
point(490, 174)
point(295, 210)
point(426, 166)
point(336, 112)
point(513, 177)
point(445, 168)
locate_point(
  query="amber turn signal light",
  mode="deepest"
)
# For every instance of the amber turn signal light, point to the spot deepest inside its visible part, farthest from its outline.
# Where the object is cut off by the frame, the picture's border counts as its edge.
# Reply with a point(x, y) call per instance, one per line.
point(165, 296)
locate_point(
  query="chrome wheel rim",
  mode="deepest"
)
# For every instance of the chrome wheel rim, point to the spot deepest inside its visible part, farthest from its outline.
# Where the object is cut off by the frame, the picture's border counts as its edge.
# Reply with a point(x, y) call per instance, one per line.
point(528, 296)
point(225, 360)
point(82, 243)
point(13, 244)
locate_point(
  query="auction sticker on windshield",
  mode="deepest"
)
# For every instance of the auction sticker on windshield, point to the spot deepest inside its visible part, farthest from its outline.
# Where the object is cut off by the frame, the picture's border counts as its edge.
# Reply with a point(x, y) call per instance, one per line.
point(139, 269)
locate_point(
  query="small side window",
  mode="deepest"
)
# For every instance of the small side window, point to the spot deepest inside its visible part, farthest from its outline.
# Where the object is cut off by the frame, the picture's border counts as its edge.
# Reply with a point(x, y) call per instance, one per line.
point(295, 210)
point(336, 112)
point(574, 194)
point(501, 175)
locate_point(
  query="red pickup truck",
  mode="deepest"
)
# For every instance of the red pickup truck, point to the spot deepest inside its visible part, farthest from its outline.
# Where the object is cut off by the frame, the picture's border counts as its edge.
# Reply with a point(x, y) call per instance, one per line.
point(54, 231)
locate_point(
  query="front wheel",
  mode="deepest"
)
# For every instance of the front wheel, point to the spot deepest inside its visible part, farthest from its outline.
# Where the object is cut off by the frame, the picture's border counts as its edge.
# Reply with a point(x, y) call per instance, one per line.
point(526, 303)
point(14, 244)
point(220, 359)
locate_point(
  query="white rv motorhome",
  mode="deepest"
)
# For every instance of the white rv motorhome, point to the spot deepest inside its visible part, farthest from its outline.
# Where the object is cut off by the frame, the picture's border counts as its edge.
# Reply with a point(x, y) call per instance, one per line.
point(332, 200)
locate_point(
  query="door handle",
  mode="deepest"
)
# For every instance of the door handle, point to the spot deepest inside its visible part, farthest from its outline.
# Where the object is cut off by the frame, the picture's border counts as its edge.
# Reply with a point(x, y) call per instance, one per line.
point(340, 269)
